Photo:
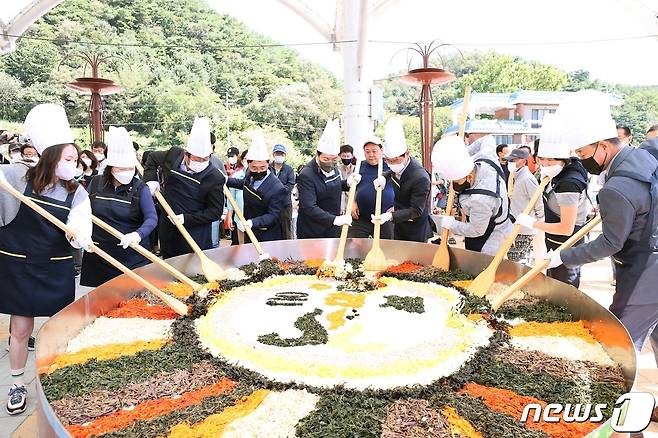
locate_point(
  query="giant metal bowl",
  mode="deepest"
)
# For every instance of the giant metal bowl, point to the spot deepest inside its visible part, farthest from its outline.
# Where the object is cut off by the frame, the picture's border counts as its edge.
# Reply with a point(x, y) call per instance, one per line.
point(56, 333)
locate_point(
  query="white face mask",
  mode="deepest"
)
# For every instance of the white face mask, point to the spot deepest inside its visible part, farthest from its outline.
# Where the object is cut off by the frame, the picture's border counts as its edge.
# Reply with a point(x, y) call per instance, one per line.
point(279, 159)
point(66, 170)
point(78, 172)
point(551, 171)
point(87, 162)
point(99, 156)
point(511, 166)
point(397, 168)
point(232, 160)
point(31, 161)
point(125, 176)
point(198, 166)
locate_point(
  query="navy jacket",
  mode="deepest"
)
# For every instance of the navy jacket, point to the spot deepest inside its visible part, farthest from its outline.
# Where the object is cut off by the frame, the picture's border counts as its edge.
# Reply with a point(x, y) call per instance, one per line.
point(262, 206)
point(319, 202)
point(366, 193)
point(412, 191)
point(286, 176)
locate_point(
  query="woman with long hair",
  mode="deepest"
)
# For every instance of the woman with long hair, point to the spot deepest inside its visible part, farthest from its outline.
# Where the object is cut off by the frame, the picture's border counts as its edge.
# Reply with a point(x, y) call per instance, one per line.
point(123, 201)
point(36, 265)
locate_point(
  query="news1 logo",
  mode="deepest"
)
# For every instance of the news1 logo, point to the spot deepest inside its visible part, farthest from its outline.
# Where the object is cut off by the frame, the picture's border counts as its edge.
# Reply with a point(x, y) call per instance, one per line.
point(631, 413)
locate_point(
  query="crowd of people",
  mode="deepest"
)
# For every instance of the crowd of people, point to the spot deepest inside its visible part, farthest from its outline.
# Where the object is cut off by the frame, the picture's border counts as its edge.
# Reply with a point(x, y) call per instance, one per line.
point(494, 185)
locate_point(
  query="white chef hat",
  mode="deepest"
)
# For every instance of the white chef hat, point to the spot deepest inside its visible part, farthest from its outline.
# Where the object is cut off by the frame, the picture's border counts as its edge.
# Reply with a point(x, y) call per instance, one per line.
point(586, 118)
point(120, 151)
point(451, 159)
point(198, 143)
point(552, 141)
point(394, 144)
point(329, 142)
point(374, 140)
point(258, 150)
point(47, 125)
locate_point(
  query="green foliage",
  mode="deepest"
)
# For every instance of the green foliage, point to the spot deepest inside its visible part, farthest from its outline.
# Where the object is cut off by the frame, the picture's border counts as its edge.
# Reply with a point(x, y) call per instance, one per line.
point(166, 86)
point(639, 111)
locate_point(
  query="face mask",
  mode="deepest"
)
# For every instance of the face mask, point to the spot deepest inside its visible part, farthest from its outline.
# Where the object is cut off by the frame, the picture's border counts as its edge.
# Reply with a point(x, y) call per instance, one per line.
point(87, 162)
point(257, 176)
point(397, 168)
point(198, 166)
point(31, 161)
point(346, 161)
point(461, 187)
point(327, 167)
point(125, 176)
point(232, 160)
point(78, 173)
point(591, 165)
point(66, 170)
point(99, 156)
point(511, 166)
point(551, 171)
point(279, 159)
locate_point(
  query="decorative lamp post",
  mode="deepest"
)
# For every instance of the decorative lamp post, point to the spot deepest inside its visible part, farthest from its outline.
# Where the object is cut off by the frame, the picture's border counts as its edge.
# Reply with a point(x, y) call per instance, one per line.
point(427, 76)
point(97, 87)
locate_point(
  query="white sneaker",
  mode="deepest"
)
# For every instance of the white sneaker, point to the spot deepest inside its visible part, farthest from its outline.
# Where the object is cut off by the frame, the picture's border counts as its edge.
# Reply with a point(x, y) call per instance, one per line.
point(17, 399)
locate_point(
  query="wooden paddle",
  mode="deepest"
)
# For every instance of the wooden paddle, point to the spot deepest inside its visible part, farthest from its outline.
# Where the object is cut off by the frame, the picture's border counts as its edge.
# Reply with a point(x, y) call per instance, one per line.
point(510, 185)
point(482, 283)
point(211, 270)
point(150, 256)
point(170, 301)
point(340, 254)
point(539, 267)
point(247, 229)
point(442, 256)
point(375, 259)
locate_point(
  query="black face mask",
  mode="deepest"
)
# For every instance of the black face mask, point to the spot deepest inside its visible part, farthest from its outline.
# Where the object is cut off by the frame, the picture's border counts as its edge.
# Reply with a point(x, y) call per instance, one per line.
point(257, 176)
point(461, 187)
point(347, 161)
point(591, 165)
point(327, 167)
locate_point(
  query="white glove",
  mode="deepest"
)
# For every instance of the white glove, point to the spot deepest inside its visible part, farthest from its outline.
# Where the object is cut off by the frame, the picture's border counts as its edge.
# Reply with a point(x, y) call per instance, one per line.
point(249, 223)
point(154, 186)
point(525, 220)
point(179, 217)
point(385, 217)
point(264, 256)
point(224, 213)
point(81, 242)
point(554, 259)
point(447, 222)
point(130, 238)
point(380, 181)
point(345, 219)
point(353, 179)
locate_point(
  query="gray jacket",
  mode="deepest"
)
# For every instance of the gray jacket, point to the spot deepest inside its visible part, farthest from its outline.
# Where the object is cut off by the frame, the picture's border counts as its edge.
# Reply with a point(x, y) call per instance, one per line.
point(525, 185)
point(624, 203)
point(651, 146)
point(481, 208)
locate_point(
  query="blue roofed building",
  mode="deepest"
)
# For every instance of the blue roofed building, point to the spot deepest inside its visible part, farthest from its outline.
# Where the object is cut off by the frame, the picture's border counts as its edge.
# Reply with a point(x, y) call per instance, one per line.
point(513, 118)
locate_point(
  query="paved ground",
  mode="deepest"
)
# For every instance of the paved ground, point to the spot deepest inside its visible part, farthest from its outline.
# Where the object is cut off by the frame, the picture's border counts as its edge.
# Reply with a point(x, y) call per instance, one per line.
point(595, 282)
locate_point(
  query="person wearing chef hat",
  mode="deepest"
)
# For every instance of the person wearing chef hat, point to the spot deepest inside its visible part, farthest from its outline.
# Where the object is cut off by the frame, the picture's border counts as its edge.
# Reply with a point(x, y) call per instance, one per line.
point(565, 198)
point(412, 185)
point(263, 194)
point(628, 202)
point(192, 187)
point(366, 195)
point(479, 183)
point(37, 275)
point(123, 201)
point(320, 189)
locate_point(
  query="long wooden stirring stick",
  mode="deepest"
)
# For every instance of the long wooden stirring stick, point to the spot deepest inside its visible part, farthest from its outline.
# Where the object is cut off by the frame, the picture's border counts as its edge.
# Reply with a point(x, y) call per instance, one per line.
point(248, 230)
point(340, 253)
point(442, 256)
point(376, 259)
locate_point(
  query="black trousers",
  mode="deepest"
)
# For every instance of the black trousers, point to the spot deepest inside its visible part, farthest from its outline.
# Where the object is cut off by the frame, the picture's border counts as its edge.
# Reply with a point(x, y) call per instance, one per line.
point(641, 321)
point(286, 223)
point(364, 228)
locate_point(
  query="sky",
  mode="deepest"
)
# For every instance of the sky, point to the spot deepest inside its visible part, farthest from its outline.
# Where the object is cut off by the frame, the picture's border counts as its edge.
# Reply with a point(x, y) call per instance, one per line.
point(566, 33)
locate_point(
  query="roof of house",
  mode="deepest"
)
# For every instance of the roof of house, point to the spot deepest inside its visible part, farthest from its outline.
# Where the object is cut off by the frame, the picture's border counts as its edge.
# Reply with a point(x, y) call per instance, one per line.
point(508, 100)
point(495, 127)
